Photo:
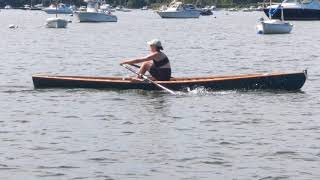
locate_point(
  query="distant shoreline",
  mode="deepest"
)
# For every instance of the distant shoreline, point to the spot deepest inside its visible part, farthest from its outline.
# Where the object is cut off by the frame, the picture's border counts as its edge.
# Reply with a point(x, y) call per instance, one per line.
point(132, 4)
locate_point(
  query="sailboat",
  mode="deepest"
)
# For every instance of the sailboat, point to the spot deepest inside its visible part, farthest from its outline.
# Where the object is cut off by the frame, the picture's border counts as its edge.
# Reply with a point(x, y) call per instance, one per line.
point(56, 22)
point(274, 26)
point(298, 10)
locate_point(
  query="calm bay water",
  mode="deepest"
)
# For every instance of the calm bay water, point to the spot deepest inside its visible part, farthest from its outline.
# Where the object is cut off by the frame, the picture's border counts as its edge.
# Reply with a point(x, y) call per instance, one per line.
point(101, 134)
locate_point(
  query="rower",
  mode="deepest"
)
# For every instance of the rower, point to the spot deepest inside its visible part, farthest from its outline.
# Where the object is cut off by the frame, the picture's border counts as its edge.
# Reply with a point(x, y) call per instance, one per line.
point(157, 63)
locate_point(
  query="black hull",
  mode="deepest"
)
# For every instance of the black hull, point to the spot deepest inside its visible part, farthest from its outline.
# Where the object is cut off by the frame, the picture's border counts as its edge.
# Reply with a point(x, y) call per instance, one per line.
point(296, 14)
point(206, 13)
point(292, 81)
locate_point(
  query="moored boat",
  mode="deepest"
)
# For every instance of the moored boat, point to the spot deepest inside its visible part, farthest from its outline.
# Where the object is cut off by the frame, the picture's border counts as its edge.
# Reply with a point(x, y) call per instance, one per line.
point(274, 26)
point(123, 9)
point(280, 81)
point(36, 7)
point(106, 7)
point(8, 7)
point(56, 22)
point(58, 9)
point(233, 9)
point(144, 8)
point(93, 14)
point(179, 10)
point(297, 10)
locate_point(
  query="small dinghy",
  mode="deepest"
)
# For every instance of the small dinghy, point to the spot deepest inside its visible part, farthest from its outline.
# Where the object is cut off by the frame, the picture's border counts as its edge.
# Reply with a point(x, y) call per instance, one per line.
point(279, 81)
point(56, 22)
point(274, 26)
point(13, 26)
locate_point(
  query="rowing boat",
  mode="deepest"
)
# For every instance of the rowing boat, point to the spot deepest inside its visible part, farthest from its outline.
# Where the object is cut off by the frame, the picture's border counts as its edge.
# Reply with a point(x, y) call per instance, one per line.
point(280, 81)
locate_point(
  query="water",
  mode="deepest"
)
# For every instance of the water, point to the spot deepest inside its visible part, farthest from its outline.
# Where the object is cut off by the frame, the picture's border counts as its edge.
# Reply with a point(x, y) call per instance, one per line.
point(102, 134)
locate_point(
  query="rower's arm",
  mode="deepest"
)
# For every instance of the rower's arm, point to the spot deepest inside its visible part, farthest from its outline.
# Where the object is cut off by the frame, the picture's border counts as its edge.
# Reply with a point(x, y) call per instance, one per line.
point(140, 60)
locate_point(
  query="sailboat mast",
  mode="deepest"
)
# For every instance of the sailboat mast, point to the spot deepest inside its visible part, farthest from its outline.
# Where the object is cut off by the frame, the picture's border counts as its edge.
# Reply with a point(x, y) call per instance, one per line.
point(56, 8)
point(282, 17)
point(270, 9)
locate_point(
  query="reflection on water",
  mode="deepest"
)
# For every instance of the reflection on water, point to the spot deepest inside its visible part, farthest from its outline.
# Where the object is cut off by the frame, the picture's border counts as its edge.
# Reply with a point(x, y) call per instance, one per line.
point(199, 134)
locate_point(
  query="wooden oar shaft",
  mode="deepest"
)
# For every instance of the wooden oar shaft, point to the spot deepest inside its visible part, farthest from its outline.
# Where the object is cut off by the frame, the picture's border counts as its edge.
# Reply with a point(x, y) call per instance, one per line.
point(146, 78)
point(134, 65)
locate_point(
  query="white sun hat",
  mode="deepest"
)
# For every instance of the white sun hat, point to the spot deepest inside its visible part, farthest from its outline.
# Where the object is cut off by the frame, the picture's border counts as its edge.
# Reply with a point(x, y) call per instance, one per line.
point(155, 42)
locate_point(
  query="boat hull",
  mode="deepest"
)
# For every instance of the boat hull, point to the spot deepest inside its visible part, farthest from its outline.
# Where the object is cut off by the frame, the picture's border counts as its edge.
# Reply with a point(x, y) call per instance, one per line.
point(206, 12)
point(95, 17)
point(276, 28)
point(296, 14)
point(56, 23)
point(179, 14)
point(58, 11)
point(288, 81)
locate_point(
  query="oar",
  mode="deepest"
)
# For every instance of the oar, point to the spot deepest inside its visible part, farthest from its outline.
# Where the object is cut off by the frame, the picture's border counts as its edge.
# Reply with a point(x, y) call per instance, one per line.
point(134, 65)
point(148, 79)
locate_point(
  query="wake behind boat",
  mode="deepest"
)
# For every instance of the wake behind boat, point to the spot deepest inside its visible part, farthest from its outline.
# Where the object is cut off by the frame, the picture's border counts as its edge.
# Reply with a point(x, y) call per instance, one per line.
point(279, 81)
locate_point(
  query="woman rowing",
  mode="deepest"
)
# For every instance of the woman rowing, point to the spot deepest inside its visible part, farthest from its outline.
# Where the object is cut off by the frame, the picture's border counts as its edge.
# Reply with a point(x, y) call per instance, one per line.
point(157, 63)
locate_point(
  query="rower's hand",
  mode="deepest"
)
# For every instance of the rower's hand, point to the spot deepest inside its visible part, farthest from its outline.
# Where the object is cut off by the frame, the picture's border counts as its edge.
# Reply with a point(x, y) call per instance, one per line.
point(125, 62)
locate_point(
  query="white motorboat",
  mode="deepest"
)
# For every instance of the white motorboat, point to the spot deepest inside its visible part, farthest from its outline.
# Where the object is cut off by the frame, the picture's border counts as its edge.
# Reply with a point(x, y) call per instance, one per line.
point(259, 8)
point(82, 8)
point(144, 8)
point(59, 9)
point(211, 8)
point(106, 7)
point(8, 7)
point(122, 9)
point(26, 7)
point(250, 9)
point(178, 10)
point(203, 11)
point(37, 7)
point(274, 26)
point(56, 22)
point(163, 8)
point(93, 14)
point(233, 9)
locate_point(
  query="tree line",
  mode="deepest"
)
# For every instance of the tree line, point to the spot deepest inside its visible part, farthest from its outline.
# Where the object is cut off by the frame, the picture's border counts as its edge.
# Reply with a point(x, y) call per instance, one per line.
point(133, 3)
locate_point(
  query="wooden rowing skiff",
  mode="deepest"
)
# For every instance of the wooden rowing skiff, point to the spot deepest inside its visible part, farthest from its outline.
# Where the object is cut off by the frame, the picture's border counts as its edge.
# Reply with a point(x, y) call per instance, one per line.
point(281, 81)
